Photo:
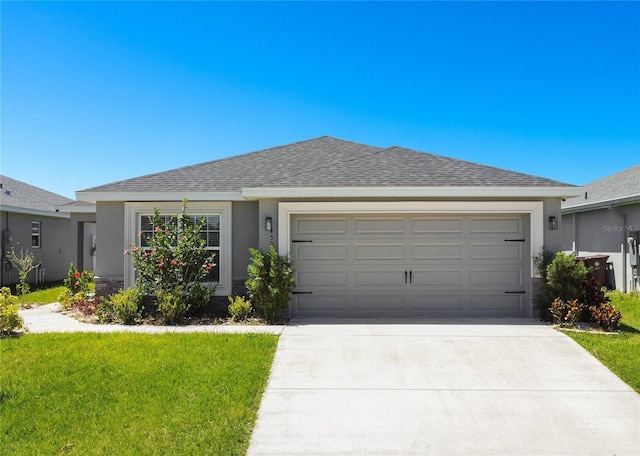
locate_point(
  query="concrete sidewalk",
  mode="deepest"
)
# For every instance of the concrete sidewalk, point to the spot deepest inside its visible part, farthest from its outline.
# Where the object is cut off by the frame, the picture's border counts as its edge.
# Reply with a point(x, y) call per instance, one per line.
point(459, 387)
point(48, 318)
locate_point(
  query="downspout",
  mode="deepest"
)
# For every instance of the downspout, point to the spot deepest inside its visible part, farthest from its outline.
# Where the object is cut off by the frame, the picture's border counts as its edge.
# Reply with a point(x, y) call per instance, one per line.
point(624, 246)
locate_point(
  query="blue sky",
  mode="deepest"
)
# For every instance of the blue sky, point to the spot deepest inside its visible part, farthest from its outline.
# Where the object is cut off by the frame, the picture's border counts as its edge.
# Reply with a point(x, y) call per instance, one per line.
point(96, 92)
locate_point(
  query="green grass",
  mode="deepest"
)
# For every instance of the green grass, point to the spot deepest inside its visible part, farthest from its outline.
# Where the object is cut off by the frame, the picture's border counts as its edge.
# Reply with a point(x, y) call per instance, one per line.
point(130, 394)
point(619, 352)
point(45, 296)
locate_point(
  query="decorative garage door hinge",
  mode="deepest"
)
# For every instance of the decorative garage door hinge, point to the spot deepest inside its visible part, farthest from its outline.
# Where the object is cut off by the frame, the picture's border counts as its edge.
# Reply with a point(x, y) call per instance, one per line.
point(515, 292)
point(515, 240)
point(296, 240)
point(302, 292)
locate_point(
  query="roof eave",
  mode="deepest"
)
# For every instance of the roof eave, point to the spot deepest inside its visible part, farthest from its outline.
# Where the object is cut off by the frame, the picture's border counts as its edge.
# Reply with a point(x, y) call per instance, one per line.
point(254, 193)
point(604, 204)
point(95, 196)
point(40, 212)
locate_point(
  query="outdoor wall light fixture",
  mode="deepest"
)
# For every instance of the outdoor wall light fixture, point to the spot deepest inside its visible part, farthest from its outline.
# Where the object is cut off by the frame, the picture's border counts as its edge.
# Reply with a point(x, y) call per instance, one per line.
point(268, 224)
point(553, 223)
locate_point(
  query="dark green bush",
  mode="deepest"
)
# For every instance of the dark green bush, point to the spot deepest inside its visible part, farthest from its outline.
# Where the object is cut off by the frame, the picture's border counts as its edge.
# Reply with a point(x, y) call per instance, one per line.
point(172, 305)
point(270, 283)
point(566, 278)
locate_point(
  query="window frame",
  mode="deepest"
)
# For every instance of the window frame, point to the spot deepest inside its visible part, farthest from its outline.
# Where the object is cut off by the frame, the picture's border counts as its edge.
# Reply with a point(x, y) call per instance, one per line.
point(37, 235)
point(135, 210)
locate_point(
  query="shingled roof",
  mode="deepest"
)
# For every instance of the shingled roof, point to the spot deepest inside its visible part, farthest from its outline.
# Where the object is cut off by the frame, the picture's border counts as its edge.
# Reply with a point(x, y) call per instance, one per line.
point(18, 196)
point(326, 162)
point(619, 188)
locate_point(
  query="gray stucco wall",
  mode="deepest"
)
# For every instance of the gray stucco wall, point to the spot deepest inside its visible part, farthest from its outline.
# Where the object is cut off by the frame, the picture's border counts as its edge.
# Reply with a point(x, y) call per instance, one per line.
point(110, 239)
point(604, 232)
point(57, 245)
point(246, 226)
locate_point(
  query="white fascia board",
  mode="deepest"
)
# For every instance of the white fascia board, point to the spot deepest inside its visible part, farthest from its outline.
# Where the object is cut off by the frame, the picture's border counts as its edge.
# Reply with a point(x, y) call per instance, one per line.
point(77, 209)
point(158, 196)
point(21, 210)
point(407, 192)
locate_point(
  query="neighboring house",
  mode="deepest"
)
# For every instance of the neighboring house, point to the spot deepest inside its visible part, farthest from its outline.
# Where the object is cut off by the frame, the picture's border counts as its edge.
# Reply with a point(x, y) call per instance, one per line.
point(371, 231)
point(605, 220)
point(37, 221)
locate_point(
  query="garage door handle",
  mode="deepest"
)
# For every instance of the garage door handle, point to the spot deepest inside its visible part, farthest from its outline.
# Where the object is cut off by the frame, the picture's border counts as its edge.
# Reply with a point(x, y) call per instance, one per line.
point(410, 276)
point(515, 292)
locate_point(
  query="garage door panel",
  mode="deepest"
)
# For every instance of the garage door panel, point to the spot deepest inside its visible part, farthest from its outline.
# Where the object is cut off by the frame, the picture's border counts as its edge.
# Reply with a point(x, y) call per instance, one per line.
point(380, 278)
point(436, 302)
point(319, 251)
point(379, 303)
point(321, 226)
point(436, 226)
point(318, 304)
point(437, 278)
point(505, 278)
point(496, 251)
point(312, 279)
point(497, 303)
point(379, 226)
point(496, 225)
point(379, 251)
point(433, 251)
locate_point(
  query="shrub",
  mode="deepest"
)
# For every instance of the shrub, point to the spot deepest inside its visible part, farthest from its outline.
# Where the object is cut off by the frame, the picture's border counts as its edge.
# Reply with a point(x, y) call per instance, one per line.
point(125, 306)
point(239, 308)
point(606, 316)
point(174, 257)
point(565, 313)
point(566, 278)
point(79, 282)
point(172, 305)
point(594, 293)
point(10, 320)
point(198, 298)
point(270, 283)
point(543, 300)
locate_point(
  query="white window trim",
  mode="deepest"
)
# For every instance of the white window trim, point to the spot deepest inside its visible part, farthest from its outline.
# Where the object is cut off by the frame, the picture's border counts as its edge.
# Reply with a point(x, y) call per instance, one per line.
point(533, 208)
point(223, 209)
point(39, 234)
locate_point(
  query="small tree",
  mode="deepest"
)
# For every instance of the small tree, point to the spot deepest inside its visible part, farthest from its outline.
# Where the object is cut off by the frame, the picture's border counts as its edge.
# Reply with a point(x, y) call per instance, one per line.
point(175, 258)
point(270, 283)
point(24, 264)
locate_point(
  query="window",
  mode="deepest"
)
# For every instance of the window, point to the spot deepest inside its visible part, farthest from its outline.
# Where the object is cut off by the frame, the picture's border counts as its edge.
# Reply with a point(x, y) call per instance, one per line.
point(216, 233)
point(210, 233)
point(35, 235)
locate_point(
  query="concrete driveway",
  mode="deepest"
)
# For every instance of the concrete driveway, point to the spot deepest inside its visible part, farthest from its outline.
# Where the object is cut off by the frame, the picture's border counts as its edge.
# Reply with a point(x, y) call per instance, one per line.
point(385, 387)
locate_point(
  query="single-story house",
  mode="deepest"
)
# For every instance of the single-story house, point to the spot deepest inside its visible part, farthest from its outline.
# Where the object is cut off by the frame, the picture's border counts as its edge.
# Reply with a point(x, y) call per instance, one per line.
point(34, 220)
point(605, 220)
point(371, 231)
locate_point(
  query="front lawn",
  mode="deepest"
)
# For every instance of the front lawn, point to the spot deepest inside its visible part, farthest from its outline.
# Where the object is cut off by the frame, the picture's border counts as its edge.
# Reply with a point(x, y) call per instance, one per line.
point(619, 352)
point(132, 394)
point(44, 296)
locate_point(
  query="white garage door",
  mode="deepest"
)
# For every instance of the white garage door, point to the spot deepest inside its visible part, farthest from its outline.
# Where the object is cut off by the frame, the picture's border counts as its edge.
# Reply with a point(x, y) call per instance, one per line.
point(410, 265)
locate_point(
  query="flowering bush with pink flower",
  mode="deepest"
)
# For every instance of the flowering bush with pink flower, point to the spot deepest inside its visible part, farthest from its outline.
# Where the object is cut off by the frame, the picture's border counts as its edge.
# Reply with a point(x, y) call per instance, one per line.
point(175, 257)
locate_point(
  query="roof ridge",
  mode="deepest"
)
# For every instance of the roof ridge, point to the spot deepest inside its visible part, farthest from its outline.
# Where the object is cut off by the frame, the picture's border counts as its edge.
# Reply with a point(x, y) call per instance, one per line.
point(332, 163)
